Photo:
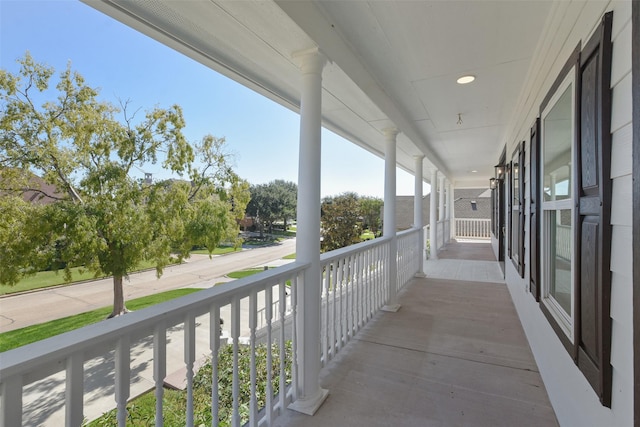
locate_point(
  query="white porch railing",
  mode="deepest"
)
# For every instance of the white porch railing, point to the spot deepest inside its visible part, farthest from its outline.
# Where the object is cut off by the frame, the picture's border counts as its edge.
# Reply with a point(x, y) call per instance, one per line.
point(410, 254)
point(257, 309)
point(563, 242)
point(129, 343)
point(473, 228)
point(354, 283)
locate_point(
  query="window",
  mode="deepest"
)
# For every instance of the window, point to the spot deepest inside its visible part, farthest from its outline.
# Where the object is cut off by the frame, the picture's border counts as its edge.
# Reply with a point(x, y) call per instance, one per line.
point(516, 209)
point(558, 147)
point(573, 193)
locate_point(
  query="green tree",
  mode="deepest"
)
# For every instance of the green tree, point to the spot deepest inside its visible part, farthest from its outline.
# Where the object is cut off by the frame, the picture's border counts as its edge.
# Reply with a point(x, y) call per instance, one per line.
point(340, 221)
point(371, 209)
point(104, 218)
point(275, 201)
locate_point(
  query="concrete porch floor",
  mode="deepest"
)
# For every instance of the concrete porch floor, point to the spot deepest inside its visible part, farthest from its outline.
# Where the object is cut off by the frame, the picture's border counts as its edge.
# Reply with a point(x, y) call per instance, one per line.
point(454, 355)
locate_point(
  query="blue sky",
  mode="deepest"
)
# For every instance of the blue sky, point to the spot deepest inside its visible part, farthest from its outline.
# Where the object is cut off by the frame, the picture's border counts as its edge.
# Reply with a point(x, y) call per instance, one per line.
point(124, 64)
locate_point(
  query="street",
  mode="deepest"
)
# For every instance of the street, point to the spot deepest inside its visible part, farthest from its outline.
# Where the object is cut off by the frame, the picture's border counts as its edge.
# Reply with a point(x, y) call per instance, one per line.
point(36, 307)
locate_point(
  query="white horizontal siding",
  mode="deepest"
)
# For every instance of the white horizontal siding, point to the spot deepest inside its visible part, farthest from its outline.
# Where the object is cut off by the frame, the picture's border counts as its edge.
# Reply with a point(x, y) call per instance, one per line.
point(621, 248)
point(621, 153)
point(621, 113)
point(621, 201)
point(574, 401)
point(621, 66)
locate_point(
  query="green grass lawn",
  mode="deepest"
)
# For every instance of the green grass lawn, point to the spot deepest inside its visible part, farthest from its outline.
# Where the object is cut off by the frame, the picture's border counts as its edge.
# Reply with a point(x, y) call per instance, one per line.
point(245, 273)
point(24, 336)
point(290, 256)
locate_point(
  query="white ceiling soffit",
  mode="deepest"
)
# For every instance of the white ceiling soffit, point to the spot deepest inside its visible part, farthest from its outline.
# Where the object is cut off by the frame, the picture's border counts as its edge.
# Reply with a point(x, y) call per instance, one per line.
point(407, 55)
point(393, 63)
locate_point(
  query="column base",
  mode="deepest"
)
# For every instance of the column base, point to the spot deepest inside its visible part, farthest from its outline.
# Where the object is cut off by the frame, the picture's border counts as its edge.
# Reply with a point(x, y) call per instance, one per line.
point(392, 308)
point(310, 406)
point(420, 275)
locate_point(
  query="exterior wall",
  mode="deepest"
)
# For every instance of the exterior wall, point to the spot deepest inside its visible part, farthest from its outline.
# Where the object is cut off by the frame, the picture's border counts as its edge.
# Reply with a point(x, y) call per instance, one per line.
point(462, 206)
point(574, 401)
point(404, 212)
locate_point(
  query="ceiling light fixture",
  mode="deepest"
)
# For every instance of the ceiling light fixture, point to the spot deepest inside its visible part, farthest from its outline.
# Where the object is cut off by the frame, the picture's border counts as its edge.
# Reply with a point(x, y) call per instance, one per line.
point(459, 118)
point(466, 79)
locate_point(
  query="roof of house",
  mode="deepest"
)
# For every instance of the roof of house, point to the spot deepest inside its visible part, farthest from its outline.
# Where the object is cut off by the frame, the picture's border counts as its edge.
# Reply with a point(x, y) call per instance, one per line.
point(468, 203)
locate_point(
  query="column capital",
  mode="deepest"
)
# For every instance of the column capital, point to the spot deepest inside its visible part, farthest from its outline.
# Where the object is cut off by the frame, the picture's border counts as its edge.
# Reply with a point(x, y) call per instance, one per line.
point(310, 61)
point(390, 133)
point(418, 157)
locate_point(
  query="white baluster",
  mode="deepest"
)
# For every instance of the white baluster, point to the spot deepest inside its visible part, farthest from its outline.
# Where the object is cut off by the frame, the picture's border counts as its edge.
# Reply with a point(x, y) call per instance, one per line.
point(122, 375)
point(235, 335)
point(294, 332)
point(159, 368)
point(349, 297)
point(214, 345)
point(74, 391)
point(189, 360)
point(334, 319)
point(253, 315)
point(326, 279)
point(11, 414)
point(269, 318)
point(283, 354)
point(340, 285)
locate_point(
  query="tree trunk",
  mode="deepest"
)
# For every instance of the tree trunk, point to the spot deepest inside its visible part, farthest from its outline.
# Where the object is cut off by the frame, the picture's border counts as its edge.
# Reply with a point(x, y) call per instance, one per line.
point(118, 298)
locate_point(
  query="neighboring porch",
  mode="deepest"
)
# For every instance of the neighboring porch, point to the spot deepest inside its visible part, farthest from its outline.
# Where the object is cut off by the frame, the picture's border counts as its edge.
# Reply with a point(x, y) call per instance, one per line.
point(454, 354)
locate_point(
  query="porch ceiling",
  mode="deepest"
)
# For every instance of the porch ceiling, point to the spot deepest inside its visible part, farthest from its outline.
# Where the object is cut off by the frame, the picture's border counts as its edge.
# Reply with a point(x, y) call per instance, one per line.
point(391, 63)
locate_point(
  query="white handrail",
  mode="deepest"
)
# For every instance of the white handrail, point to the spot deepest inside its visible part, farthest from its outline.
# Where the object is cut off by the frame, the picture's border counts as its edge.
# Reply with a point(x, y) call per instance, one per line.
point(257, 309)
point(354, 281)
point(474, 228)
point(72, 350)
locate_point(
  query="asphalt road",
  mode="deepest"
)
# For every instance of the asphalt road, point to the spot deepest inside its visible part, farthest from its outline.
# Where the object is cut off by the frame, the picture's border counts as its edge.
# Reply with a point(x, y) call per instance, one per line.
point(32, 308)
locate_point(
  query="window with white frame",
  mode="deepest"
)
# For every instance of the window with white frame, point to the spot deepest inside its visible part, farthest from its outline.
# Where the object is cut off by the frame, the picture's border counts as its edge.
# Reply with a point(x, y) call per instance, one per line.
point(558, 147)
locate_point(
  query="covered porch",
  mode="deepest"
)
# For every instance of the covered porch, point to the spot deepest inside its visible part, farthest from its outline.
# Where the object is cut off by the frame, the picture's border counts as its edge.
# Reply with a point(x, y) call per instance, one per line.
point(454, 354)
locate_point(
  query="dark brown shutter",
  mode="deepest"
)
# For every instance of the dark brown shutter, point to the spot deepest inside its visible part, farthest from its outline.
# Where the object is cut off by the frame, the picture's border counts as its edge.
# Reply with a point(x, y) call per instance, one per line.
point(509, 193)
point(593, 203)
point(534, 210)
point(521, 212)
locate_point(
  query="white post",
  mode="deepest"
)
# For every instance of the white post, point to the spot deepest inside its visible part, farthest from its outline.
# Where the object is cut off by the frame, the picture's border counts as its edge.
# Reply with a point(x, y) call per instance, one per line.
point(417, 213)
point(309, 394)
point(447, 211)
point(389, 226)
point(441, 198)
point(433, 225)
point(441, 212)
point(452, 211)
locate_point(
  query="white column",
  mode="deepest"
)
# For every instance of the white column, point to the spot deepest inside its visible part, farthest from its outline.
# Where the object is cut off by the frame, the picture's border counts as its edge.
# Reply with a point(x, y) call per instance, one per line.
point(433, 225)
point(389, 226)
point(441, 192)
point(417, 212)
point(309, 394)
point(447, 212)
point(452, 211)
point(441, 212)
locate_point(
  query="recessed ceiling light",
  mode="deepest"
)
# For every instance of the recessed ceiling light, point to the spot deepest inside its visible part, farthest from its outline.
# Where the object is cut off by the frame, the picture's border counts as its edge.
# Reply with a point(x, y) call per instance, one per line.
point(466, 79)
point(474, 171)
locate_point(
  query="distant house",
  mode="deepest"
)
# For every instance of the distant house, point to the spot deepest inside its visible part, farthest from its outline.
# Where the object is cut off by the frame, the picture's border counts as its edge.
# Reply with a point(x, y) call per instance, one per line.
point(37, 191)
point(468, 203)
